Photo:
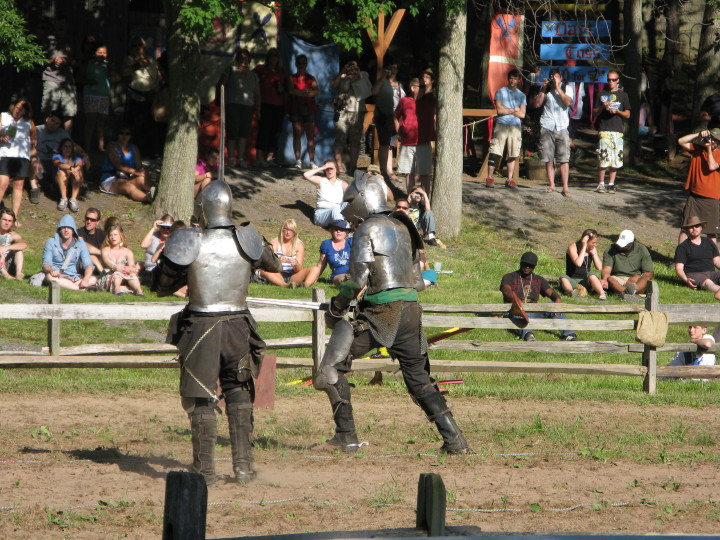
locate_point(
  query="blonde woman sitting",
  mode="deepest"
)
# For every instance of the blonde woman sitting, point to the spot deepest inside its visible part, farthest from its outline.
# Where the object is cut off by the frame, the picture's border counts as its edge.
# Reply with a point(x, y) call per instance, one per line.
point(291, 252)
point(120, 261)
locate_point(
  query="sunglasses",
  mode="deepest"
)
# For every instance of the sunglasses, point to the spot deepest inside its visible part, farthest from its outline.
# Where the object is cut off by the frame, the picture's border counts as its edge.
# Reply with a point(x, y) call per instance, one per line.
point(402, 207)
point(698, 226)
point(613, 80)
point(91, 219)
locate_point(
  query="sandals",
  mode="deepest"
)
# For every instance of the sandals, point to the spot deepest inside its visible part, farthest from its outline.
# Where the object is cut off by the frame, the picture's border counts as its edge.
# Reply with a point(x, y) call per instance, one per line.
point(550, 190)
point(566, 194)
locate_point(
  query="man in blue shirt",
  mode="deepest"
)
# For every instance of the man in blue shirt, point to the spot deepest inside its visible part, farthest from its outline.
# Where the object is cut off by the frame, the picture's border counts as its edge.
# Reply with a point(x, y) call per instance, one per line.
point(65, 255)
point(510, 103)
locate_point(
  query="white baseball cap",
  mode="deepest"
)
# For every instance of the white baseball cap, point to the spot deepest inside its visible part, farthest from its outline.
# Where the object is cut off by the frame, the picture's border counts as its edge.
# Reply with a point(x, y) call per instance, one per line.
point(626, 237)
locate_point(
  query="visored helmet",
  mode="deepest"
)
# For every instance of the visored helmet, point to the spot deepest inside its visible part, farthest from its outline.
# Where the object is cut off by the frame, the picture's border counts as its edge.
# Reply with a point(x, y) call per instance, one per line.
point(364, 197)
point(213, 206)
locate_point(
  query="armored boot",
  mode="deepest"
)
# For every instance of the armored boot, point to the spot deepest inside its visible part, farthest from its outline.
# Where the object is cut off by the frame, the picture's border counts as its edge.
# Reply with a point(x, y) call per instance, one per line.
point(345, 437)
point(204, 436)
point(240, 422)
point(433, 404)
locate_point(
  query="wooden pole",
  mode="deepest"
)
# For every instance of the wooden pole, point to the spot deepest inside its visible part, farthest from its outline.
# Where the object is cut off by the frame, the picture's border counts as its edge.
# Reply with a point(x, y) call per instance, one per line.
point(649, 355)
point(431, 500)
point(186, 497)
point(54, 324)
point(318, 330)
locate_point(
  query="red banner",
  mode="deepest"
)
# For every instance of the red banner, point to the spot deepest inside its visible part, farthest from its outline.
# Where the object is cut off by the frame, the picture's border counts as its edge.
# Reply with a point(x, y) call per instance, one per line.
point(505, 49)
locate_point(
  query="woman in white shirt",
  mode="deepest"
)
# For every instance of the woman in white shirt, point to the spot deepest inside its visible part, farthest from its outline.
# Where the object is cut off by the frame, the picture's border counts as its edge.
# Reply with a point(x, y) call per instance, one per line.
point(330, 193)
point(17, 148)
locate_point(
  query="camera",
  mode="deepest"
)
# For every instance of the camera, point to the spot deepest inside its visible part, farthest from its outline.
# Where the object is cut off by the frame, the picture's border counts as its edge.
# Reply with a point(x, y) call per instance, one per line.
point(550, 84)
point(706, 140)
point(417, 197)
point(349, 68)
point(388, 72)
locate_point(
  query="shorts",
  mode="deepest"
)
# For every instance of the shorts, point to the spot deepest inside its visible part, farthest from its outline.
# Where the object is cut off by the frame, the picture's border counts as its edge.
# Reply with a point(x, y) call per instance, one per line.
point(610, 149)
point(348, 129)
point(59, 97)
point(622, 280)
point(96, 104)
point(238, 121)
point(406, 160)
point(554, 145)
point(106, 185)
point(385, 125)
point(302, 118)
point(424, 159)
point(14, 167)
point(574, 282)
point(503, 135)
point(700, 277)
point(706, 209)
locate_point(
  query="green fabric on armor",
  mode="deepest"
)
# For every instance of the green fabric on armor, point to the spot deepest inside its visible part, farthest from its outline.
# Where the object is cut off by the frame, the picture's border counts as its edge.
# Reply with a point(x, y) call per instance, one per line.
point(405, 294)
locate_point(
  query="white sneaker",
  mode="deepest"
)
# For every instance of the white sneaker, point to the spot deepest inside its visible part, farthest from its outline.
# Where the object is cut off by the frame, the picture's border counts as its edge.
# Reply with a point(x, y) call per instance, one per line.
point(73, 205)
point(313, 165)
point(298, 164)
point(62, 205)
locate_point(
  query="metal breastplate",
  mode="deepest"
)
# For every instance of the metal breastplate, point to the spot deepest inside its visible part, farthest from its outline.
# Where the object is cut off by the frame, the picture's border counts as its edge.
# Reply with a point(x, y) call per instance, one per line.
point(218, 278)
point(384, 245)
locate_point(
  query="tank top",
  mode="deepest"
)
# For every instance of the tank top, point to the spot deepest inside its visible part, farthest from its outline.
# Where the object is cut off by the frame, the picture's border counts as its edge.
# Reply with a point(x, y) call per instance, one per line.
point(576, 272)
point(288, 268)
point(126, 160)
point(329, 195)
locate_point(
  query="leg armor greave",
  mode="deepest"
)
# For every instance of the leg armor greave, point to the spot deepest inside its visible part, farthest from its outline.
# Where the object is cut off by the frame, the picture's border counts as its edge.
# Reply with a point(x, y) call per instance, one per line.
point(239, 408)
point(345, 437)
point(203, 427)
point(433, 403)
point(337, 351)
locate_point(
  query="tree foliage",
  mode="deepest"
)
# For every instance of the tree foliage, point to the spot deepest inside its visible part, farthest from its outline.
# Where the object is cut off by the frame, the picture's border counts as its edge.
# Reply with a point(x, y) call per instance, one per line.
point(17, 46)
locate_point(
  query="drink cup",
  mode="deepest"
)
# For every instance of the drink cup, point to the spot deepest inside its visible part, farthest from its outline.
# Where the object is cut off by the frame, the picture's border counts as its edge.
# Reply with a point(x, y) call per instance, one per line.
point(438, 266)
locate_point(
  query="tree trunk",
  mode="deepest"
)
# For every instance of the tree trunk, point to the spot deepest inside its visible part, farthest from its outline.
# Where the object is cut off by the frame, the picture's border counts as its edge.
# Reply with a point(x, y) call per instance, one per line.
point(708, 62)
point(672, 57)
point(177, 176)
point(633, 73)
point(447, 190)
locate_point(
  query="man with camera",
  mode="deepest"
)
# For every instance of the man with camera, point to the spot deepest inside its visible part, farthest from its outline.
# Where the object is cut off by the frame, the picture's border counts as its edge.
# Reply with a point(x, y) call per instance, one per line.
point(353, 87)
point(555, 99)
point(703, 181)
point(422, 216)
point(611, 107)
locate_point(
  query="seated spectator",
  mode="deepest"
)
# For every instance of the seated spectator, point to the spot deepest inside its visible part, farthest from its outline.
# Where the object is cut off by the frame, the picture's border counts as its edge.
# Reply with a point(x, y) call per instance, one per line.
point(120, 261)
point(11, 247)
point(335, 252)
point(93, 237)
point(206, 169)
point(429, 275)
point(330, 192)
point(528, 287)
point(109, 222)
point(291, 252)
point(697, 257)
point(179, 224)
point(122, 170)
point(579, 258)
point(627, 266)
point(65, 256)
point(699, 336)
point(49, 137)
point(154, 239)
point(68, 175)
point(418, 208)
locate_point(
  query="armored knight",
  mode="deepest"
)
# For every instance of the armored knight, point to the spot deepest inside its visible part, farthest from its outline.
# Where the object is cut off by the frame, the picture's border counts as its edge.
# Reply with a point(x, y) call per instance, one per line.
point(215, 333)
point(383, 261)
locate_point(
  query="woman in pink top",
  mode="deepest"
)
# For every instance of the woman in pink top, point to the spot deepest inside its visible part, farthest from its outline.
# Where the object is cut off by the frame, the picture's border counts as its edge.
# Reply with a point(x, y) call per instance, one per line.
point(302, 89)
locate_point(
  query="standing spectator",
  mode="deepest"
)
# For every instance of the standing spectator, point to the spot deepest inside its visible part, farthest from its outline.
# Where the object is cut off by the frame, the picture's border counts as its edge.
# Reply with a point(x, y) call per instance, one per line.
point(69, 175)
point(17, 148)
point(123, 172)
point(555, 99)
point(242, 97)
point(334, 252)
point(96, 97)
point(406, 125)
point(65, 255)
point(93, 237)
point(11, 247)
point(302, 89)
point(697, 258)
point(145, 78)
point(272, 108)
point(627, 266)
point(388, 92)
point(206, 169)
point(425, 110)
point(49, 136)
point(59, 93)
point(576, 112)
point(703, 181)
point(611, 107)
point(120, 261)
point(527, 287)
point(510, 103)
point(353, 87)
point(710, 108)
point(330, 193)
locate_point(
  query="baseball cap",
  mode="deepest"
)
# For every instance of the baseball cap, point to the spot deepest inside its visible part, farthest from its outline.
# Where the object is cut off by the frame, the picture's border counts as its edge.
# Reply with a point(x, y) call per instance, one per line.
point(626, 237)
point(341, 224)
point(529, 258)
point(165, 224)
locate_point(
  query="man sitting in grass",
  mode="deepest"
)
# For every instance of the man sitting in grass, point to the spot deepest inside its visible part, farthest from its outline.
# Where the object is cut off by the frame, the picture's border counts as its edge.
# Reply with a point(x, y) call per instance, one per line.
point(528, 287)
point(11, 247)
point(699, 336)
point(627, 266)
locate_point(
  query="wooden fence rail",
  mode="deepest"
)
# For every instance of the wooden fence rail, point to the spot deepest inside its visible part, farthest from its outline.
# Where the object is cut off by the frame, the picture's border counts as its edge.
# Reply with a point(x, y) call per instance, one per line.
point(485, 316)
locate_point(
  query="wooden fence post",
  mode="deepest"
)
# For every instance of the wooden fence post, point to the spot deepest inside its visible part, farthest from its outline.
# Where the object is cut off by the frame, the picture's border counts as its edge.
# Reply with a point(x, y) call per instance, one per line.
point(649, 356)
point(185, 513)
point(318, 330)
point(431, 500)
point(54, 324)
